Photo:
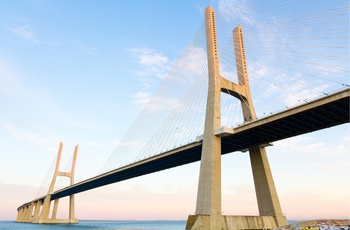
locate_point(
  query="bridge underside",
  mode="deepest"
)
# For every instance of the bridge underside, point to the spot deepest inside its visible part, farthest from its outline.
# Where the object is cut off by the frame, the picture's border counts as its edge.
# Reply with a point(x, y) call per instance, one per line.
point(273, 128)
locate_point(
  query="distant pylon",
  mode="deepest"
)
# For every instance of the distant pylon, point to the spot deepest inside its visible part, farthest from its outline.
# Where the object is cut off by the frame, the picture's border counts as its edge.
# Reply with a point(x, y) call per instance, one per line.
point(41, 207)
point(208, 214)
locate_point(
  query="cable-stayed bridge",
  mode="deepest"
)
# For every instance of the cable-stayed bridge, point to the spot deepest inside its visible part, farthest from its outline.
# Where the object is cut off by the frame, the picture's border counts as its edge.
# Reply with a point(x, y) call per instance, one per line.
point(161, 145)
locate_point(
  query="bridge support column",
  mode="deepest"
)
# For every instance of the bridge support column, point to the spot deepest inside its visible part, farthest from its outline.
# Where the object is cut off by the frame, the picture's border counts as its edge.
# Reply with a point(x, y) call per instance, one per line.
point(19, 214)
point(23, 214)
point(42, 208)
point(38, 205)
point(71, 208)
point(265, 190)
point(29, 215)
point(45, 211)
point(55, 207)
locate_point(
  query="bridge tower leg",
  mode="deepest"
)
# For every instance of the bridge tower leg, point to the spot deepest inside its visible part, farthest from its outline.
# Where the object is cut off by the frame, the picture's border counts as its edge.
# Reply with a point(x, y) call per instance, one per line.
point(208, 208)
point(43, 216)
point(265, 190)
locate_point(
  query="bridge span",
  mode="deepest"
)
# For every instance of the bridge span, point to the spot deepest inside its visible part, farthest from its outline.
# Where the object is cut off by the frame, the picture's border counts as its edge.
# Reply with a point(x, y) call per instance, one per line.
point(315, 115)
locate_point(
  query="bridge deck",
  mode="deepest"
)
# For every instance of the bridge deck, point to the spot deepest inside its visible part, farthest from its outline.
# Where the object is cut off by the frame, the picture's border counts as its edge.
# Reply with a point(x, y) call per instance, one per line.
point(325, 112)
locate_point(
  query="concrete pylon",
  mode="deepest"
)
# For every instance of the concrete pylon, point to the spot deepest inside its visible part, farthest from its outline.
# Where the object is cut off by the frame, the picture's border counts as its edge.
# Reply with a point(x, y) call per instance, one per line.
point(38, 211)
point(208, 207)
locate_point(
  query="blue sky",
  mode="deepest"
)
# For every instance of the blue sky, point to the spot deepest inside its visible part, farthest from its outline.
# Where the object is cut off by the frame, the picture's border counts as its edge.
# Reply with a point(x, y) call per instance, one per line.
point(81, 71)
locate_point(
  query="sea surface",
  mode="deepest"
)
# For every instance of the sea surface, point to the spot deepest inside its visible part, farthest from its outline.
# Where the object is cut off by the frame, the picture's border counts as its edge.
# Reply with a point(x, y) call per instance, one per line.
point(327, 224)
point(99, 225)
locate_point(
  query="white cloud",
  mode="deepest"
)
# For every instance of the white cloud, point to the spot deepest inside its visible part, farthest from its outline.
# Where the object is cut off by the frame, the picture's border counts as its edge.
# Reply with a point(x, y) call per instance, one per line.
point(141, 98)
point(150, 57)
point(180, 75)
point(26, 32)
point(152, 62)
point(192, 62)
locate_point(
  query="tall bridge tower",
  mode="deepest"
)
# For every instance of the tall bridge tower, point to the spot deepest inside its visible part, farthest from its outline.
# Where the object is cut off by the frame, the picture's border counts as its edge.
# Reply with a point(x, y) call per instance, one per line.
point(208, 208)
point(38, 212)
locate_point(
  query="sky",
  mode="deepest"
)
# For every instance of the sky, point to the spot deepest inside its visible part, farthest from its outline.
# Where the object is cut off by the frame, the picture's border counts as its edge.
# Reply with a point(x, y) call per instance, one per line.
point(81, 71)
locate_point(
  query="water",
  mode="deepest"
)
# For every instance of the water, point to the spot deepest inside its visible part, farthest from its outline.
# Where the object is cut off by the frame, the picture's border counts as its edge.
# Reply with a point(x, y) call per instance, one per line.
point(99, 225)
